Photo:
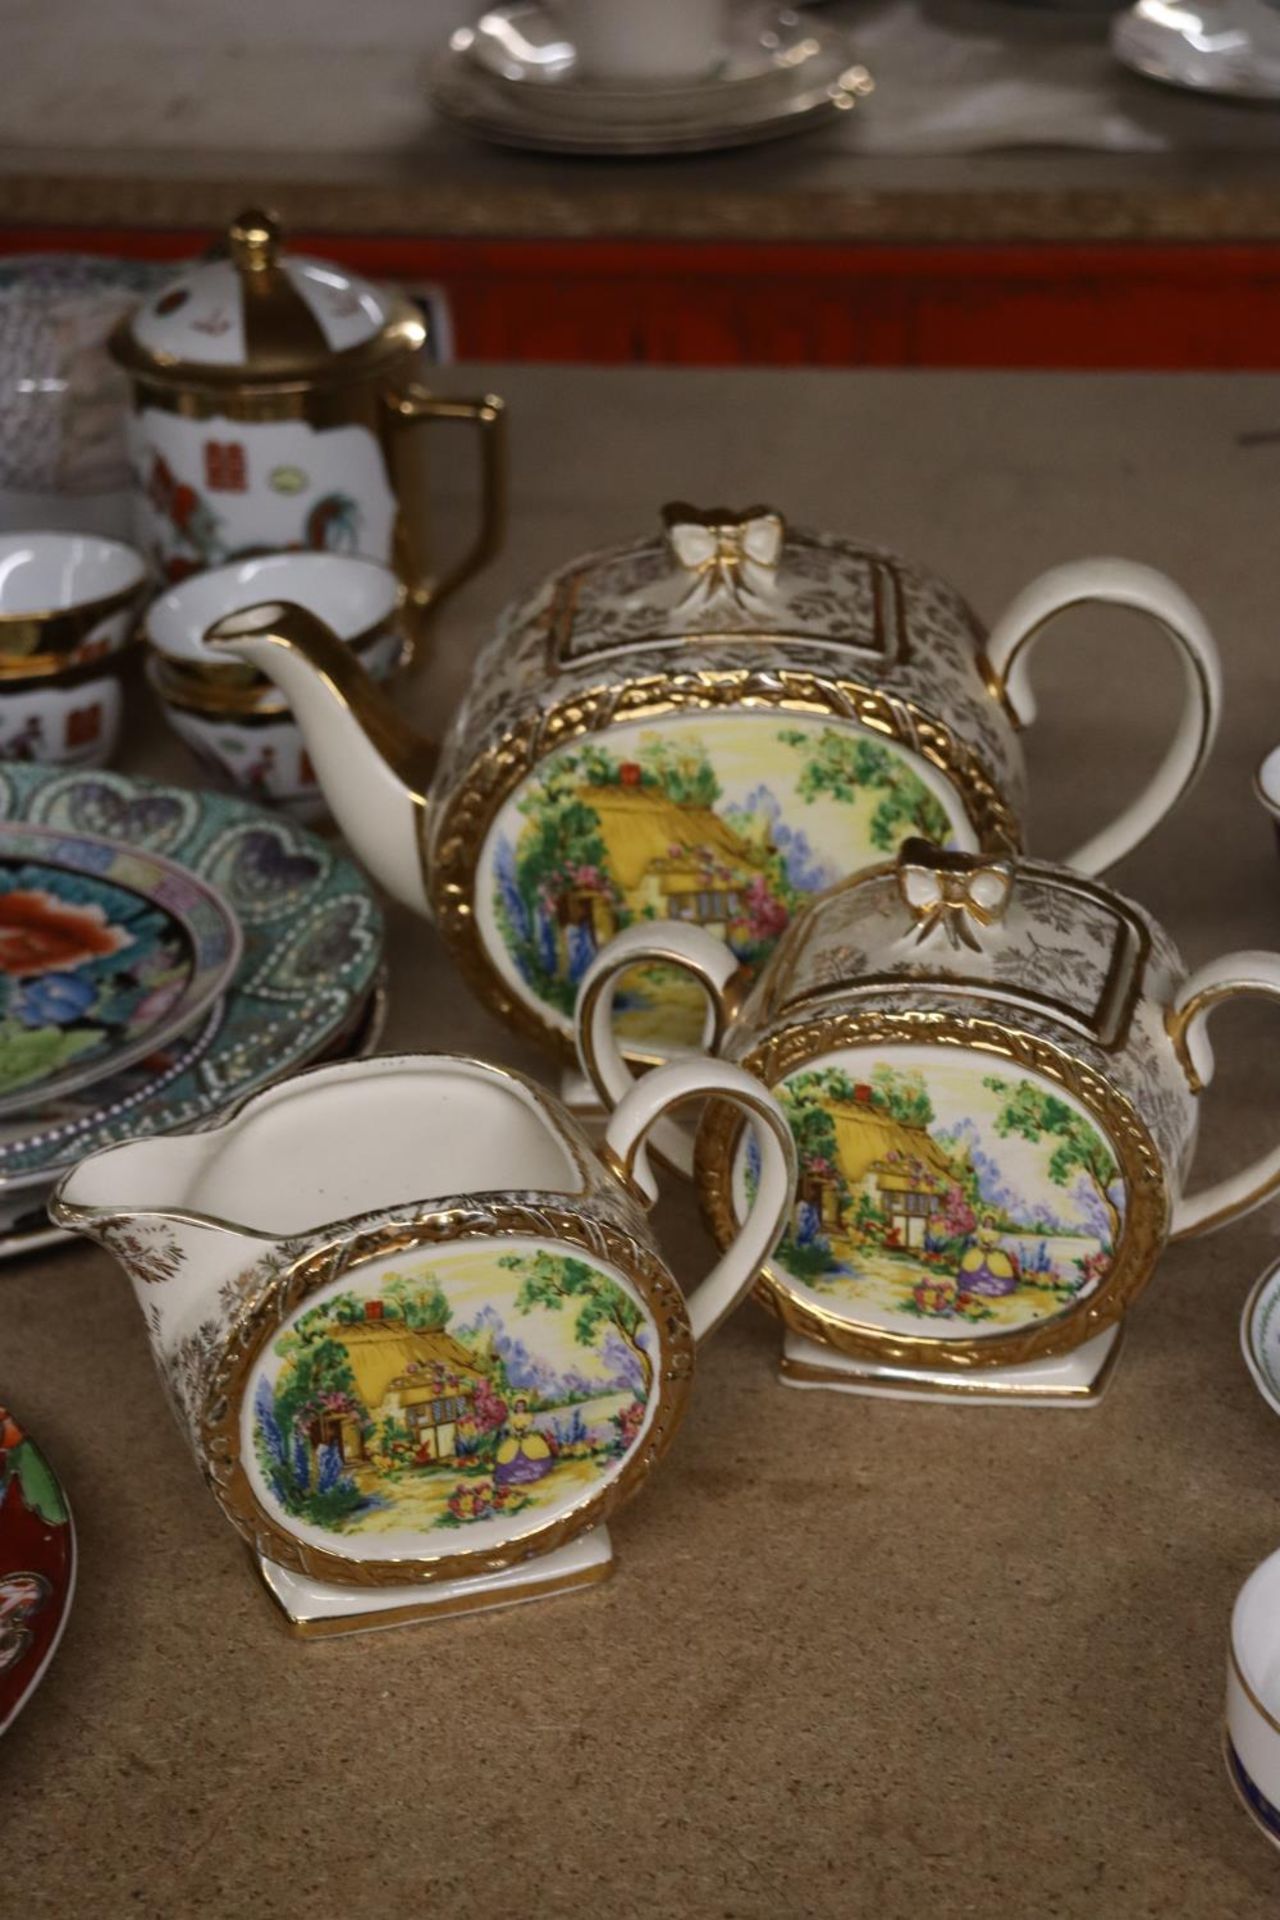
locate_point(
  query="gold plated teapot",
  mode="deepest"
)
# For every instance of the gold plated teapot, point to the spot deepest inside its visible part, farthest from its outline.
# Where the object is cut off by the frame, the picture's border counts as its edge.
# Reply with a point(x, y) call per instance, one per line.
point(272, 397)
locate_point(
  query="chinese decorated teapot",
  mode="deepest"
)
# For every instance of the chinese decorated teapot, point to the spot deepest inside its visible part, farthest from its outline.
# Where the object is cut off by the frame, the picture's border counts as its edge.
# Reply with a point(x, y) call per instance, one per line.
point(415, 1327)
point(991, 1068)
point(706, 727)
point(273, 395)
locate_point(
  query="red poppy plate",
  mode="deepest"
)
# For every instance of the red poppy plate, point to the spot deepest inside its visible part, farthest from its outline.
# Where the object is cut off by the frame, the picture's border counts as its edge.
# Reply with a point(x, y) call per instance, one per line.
point(37, 1566)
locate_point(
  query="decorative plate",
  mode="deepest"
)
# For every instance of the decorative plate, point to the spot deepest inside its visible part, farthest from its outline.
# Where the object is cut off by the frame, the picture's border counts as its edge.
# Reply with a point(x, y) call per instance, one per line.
point(312, 950)
point(107, 953)
point(37, 1566)
point(1260, 1336)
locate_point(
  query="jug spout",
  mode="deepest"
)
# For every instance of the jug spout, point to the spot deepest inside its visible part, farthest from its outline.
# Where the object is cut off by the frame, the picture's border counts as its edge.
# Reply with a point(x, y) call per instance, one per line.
point(374, 770)
point(130, 1200)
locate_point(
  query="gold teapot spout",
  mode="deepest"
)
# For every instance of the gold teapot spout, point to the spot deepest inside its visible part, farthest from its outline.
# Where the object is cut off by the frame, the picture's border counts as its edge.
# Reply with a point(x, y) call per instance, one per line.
point(374, 771)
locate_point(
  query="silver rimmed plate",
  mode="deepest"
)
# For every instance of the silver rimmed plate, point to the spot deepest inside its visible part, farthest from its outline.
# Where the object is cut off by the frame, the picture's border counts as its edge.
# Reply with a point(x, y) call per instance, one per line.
point(1227, 47)
point(818, 79)
point(310, 964)
point(1260, 1336)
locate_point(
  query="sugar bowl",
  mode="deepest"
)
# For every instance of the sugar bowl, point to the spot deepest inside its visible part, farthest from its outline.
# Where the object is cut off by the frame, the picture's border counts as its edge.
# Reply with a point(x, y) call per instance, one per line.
point(992, 1069)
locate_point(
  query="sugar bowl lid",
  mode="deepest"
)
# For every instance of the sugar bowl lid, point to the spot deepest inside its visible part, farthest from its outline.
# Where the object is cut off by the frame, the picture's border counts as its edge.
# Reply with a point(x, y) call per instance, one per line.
point(1020, 931)
point(252, 313)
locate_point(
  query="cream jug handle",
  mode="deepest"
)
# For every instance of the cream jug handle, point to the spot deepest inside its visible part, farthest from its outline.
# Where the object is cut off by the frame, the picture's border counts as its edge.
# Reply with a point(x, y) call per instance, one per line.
point(642, 1110)
point(690, 948)
point(1120, 583)
point(413, 406)
point(1235, 974)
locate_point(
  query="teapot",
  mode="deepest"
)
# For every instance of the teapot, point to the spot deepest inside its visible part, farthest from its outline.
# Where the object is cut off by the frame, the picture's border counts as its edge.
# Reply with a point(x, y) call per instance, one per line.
point(273, 395)
point(415, 1327)
point(705, 727)
point(992, 1070)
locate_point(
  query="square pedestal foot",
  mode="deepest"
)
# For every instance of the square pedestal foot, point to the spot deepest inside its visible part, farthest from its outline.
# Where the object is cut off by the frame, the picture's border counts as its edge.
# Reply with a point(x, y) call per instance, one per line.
point(1075, 1379)
point(320, 1608)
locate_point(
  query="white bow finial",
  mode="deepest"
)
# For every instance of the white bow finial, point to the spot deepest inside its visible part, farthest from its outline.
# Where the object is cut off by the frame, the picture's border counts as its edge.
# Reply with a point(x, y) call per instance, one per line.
point(727, 553)
point(957, 892)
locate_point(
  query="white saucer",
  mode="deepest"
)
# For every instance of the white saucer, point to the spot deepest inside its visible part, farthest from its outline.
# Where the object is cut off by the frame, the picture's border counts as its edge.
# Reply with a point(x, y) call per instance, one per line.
point(1211, 46)
point(778, 81)
point(1260, 1336)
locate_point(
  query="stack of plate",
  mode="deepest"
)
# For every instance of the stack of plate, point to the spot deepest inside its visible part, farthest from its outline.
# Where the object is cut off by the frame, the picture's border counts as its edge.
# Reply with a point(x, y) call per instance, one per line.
point(163, 954)
point(513, 78)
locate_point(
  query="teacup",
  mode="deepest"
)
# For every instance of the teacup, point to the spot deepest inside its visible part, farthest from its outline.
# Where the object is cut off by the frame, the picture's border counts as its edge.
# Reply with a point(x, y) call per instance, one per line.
point(67, 606)
point(661, 40)
point(993, 1070)
point(236, 722)
point(415, 1327)
point(1252, 1735)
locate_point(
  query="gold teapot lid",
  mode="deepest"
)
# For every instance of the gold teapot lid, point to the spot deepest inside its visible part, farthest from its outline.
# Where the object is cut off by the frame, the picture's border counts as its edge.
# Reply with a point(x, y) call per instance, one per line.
point(995, 925)
point(253, 314)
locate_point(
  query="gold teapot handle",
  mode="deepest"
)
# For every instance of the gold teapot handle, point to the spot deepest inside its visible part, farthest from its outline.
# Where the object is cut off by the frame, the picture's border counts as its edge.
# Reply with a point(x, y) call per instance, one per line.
point(414, 406)
point(1234, 976)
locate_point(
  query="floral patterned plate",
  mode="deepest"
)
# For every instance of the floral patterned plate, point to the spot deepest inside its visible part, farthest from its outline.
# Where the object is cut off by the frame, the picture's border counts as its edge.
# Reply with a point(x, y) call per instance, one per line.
point(37, 1566)
point(310, 961)
point(107, 953)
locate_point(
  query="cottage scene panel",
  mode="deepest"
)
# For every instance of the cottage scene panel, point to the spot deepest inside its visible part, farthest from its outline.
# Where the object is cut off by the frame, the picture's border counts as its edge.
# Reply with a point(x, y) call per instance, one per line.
point(942, 1192)
point(729, 821)
point(441, 1398)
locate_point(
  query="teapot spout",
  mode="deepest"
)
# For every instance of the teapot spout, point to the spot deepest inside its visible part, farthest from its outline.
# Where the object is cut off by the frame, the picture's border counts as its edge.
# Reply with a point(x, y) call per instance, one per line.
point(374, 770)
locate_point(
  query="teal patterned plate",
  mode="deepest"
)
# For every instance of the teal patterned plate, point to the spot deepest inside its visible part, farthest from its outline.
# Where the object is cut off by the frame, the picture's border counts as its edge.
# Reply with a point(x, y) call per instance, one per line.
point(312, 951)
point(1260, 1336)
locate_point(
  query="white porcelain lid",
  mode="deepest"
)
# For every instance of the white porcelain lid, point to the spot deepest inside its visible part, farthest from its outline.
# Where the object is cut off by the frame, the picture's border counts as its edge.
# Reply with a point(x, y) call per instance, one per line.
point(257, 310)
point(1002, 928)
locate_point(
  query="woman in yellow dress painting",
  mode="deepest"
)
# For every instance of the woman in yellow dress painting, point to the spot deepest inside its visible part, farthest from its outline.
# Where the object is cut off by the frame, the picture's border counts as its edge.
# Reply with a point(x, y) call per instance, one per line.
point(986, 1269)
point(523, 1453)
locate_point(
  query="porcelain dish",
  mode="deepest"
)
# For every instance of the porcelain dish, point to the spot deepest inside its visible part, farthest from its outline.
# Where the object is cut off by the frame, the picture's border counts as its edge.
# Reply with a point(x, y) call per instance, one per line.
point(311, 960)
point(821, 83)
point(1229, 47)
point(37, 1566)
point(107, 953)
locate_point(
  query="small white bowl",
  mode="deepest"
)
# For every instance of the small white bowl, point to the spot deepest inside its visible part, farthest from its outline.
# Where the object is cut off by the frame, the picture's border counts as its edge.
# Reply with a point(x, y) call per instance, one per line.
point(1252, 1737)
point(234, 720)
point(1266, 783)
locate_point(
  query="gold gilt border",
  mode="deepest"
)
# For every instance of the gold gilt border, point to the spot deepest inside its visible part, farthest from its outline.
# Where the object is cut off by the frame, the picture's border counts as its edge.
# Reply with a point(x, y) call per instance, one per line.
point(475, 803)
point(1146, 1210)
point(263, 1316)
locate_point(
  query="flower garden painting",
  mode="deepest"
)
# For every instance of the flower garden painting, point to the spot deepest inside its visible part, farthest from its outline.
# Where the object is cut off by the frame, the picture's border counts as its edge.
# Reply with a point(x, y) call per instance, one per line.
point(82, 963)
point(943, 1195)
point(730, 822)
point(464, 1388)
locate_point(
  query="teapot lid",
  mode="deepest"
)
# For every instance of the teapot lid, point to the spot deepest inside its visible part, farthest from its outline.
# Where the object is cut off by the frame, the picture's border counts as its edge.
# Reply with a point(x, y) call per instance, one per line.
point(739, 573)
point(251, 313)
point(998, 927)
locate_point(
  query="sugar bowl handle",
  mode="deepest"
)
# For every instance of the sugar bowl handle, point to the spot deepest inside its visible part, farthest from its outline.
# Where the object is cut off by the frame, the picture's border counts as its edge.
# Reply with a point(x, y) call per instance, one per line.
point(413, 406)
point(690, 948)
point(1256, 975)
point(1120, 583)
point(642, 1111)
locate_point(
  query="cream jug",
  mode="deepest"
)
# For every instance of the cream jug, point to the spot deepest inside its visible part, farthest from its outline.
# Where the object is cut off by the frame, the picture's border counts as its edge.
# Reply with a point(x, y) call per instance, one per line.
point(415, 1327)
point(992, 1072)
point(707, 726)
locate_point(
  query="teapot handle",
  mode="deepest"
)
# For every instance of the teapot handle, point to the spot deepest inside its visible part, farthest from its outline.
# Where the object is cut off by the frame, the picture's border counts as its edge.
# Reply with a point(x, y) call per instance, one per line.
point(1121, 583)
point(690, 948)
point(641, 1111)
point(414, 406)
point(1258, 976)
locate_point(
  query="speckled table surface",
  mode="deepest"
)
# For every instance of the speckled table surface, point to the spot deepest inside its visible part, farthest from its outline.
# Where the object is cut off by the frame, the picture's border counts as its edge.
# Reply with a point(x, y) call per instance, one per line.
point(856, 1657)
point(990, 122)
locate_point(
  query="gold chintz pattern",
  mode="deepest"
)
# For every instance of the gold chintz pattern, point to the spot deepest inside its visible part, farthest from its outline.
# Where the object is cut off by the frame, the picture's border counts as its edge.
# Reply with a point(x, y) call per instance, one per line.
point(271, 1305)
point(450, 864)
point(1146, 1207)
